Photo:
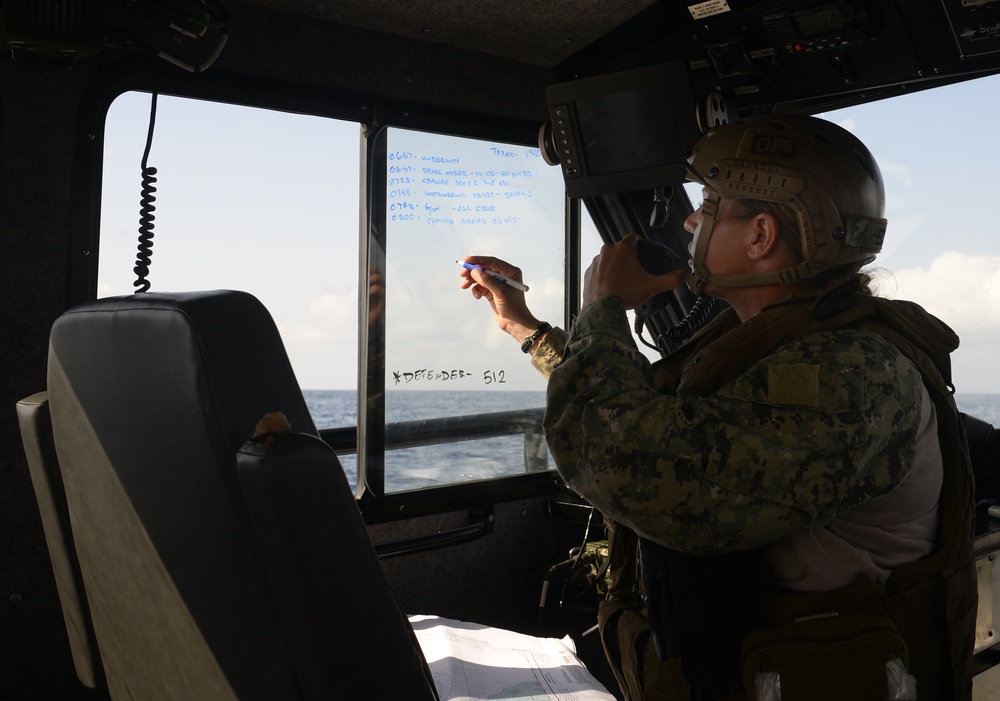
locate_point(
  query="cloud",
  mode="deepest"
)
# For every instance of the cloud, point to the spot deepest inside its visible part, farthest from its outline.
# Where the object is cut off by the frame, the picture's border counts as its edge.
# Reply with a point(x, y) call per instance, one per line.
point(974, 366)
point(847, 124)
point(898, 231)
point(329, 316)
point(896, 170)
point(962, 289)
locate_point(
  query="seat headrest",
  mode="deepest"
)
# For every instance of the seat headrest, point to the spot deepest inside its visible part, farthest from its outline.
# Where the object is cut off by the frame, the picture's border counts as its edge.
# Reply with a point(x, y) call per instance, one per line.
point(220, 348)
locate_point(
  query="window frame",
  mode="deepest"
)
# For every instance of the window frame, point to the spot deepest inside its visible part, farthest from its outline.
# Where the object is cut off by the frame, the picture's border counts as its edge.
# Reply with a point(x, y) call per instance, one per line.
point(372, 419)
point(370, 112)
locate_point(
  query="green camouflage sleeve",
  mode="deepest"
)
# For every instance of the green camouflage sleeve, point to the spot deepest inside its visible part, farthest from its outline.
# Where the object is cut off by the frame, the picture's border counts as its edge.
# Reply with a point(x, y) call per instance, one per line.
point(821, 424)
point(549, 352)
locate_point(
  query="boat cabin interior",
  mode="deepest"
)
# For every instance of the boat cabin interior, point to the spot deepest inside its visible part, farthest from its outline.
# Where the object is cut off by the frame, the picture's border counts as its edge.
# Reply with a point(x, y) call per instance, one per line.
point(225, 220)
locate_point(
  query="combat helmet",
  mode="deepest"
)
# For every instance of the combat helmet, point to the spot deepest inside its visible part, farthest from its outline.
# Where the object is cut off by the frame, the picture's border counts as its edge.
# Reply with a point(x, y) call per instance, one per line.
point(828, 178)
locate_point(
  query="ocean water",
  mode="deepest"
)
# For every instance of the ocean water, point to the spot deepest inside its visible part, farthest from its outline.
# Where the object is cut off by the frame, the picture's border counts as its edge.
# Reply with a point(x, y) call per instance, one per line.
point(982, 406)
point(422, 466)
point(444, 463)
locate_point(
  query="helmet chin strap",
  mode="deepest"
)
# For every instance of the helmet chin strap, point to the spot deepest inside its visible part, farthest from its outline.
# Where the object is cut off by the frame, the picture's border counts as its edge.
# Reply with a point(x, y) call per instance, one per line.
point(701, 277)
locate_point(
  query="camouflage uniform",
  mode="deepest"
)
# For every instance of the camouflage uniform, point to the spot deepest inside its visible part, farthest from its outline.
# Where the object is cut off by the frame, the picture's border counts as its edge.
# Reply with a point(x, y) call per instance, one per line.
point(754, 430)
point(824, 423)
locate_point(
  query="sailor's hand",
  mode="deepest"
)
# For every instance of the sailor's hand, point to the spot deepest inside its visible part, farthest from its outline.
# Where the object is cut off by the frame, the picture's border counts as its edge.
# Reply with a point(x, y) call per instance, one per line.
point(616, 271)
point(508, 304)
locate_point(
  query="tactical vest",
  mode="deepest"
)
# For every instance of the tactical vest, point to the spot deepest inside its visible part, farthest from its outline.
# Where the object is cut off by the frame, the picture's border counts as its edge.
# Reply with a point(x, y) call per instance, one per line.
point(931, 602)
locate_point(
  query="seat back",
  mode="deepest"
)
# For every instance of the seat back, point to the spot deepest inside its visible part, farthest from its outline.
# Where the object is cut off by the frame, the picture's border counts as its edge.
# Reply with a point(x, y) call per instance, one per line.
point(36, 436)
point(984, 449)
point(203, 583)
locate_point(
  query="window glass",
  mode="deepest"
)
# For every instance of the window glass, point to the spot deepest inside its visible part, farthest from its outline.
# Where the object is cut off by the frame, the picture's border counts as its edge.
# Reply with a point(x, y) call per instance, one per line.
point(446, 362)
point(248, 199)
point(937, 150)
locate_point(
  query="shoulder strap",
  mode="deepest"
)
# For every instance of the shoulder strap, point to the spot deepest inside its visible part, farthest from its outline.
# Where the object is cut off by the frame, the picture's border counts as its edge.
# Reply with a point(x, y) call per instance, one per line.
point(735, 348)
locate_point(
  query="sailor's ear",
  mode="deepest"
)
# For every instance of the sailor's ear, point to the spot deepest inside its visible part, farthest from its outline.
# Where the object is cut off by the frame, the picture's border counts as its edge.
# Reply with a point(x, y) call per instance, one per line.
point(764, 236)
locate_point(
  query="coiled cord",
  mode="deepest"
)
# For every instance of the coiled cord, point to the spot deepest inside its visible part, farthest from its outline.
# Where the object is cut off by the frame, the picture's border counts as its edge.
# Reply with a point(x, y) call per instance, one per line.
point(699, 313)
point(144, 255)
point(694, 320)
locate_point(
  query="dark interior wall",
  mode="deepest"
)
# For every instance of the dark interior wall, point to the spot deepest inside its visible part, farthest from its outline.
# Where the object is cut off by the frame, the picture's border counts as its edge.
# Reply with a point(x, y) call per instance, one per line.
point(39, 105)
point(284, 47)
point(495, 580)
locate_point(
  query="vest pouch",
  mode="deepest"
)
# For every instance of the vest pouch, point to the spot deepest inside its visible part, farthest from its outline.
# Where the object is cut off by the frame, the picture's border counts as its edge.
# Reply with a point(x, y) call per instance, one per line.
point(629, 648)
point(859, 657)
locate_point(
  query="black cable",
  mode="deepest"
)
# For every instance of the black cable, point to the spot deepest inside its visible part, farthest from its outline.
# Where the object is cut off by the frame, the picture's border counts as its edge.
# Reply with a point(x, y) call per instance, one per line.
point(684, 329)
point(695, 319)
point(144, 255)
point(578, 558)
point(640, 321)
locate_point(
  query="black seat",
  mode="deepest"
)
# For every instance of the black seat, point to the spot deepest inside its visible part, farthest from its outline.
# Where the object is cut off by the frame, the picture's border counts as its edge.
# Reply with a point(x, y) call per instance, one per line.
point(984, 449)
point(215, 569)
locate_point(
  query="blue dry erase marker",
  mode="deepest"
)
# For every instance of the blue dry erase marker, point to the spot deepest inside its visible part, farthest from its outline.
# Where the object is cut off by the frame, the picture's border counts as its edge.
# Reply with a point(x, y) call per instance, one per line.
point(510, 283)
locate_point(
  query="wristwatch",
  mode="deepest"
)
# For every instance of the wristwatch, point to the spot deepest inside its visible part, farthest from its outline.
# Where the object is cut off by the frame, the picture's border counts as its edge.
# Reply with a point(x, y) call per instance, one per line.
point(533, 336)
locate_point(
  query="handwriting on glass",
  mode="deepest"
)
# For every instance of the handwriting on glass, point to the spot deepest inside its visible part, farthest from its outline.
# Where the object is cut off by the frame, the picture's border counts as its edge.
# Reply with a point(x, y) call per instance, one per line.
point(430, 375)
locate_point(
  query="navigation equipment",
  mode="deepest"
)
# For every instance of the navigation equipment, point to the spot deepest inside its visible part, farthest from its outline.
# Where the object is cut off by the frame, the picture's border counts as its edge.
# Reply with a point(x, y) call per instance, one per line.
point(621, 131)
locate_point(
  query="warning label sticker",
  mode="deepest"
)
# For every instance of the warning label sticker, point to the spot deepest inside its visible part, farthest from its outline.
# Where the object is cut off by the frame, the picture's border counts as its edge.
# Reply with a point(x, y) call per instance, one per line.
point(708, 8)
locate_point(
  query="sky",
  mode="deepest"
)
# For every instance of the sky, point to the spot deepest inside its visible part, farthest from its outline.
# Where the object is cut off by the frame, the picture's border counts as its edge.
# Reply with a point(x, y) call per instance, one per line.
point(938, 152)
point(268, 202)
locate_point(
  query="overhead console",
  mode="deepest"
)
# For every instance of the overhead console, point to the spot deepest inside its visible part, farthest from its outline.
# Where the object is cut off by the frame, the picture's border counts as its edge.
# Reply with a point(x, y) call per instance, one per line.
point(808, 28)
point(975, 25)
point(633, 104)
point(804, 55)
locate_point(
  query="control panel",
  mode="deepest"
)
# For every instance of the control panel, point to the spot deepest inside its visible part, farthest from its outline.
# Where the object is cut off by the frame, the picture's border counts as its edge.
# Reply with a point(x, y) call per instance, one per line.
point(804, 29)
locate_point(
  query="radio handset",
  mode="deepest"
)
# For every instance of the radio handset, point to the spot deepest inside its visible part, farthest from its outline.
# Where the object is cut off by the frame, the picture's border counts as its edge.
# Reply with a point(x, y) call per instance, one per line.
point(658, 259)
